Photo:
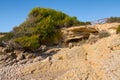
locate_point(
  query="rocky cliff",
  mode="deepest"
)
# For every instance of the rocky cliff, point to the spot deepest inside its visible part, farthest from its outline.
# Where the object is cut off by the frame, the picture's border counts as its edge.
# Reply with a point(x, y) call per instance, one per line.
point(97, 61)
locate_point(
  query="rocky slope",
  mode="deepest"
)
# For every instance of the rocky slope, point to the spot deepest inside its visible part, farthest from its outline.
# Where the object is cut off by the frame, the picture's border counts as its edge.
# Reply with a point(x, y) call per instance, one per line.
point(98, 61)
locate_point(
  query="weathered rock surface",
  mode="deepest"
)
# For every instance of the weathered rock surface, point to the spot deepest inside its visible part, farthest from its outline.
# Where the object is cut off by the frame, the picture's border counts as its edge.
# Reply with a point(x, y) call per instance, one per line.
point(77, 33)
point(98, 61)
point(88, 62)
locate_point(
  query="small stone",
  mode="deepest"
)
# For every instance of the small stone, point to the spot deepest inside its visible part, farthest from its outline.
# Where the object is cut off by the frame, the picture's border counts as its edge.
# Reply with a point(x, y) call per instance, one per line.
point(29, 56)
point(3, 57)
point(51, 51)
point(20, 57)
point(22, 61)
point(9, 59)
point(37, 59)
point(43, 48)
point(70, 45)
point(4, 50)
point(1, 49)
point(29, 61)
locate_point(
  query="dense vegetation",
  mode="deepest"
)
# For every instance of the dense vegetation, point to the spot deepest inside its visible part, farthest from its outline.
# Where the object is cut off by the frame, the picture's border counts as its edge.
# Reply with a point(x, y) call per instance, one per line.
point(113, 19)
point(41, 27)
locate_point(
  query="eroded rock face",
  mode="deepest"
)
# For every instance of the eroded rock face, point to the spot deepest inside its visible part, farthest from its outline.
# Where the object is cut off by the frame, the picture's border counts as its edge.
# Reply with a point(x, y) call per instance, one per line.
point(77, 33)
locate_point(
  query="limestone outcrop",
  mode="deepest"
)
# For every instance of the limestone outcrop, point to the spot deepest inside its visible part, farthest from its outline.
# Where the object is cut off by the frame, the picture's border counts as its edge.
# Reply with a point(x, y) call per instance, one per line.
point(77, 33)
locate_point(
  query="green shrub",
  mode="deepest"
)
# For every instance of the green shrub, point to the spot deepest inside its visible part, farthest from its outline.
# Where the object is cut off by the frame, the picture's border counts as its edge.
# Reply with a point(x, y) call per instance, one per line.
point(26, 42)
point(103, 34)
point(118, 29)
point(46, 24)
point(7, 37)
point(113, 19)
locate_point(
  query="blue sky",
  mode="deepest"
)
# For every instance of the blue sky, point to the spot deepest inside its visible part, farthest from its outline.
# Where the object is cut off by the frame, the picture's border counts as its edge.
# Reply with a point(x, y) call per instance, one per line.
point(14, 12)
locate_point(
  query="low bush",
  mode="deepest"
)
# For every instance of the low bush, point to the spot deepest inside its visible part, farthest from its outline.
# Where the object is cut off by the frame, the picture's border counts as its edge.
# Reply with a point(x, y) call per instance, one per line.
point(27, 43)
point(103, 34)
point(113, 19)
point(118, 29)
